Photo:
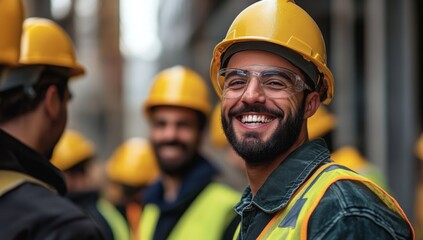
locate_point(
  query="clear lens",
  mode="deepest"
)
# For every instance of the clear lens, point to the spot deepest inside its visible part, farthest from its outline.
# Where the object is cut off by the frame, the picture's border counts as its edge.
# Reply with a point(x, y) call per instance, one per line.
point(275, 82)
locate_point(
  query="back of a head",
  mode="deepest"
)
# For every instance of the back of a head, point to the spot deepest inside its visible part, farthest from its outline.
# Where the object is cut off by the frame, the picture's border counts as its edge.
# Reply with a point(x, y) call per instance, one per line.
point(44, 46)
point(285, 29)
point(178, 86)
point(46, 49)
point(72, 149)
point(133, 163)
point(11, 19)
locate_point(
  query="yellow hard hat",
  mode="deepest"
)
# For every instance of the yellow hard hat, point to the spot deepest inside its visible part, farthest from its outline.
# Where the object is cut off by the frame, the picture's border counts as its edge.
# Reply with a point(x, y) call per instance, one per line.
point(419, 147)
point(279, 25)
point(217, 136)
point(11, 19)
point(72, 149)
point(179, 86)
point(320, 123)
point(133, 163)
point(349, 157)
point(46, 43)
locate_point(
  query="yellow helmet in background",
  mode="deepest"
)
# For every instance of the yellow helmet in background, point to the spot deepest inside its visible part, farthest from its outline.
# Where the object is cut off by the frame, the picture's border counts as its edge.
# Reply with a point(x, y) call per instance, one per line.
point(320, 123)
point(45, 46)
point(281, 24)
point(419, 147)
point(11, 19)
point(45, 43)
point(350, 157)
point(72, 149)
point(133, 163)
point(217, 136)
point(179, 86)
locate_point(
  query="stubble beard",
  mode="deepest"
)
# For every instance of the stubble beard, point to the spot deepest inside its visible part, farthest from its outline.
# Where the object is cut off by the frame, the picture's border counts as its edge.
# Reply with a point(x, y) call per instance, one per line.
point(177, 167)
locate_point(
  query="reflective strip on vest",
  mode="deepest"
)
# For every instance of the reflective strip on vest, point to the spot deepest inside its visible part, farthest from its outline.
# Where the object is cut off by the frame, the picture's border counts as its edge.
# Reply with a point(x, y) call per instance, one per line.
point(206, 218)
point(11, 179)
point(292, 221)
point(114, 218)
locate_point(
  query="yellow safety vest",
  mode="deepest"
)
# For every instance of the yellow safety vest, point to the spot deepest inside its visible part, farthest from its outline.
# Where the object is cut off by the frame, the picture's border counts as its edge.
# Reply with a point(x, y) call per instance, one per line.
point(114, 218)
point(206, 218)
point(308, 197)
point(11, 179)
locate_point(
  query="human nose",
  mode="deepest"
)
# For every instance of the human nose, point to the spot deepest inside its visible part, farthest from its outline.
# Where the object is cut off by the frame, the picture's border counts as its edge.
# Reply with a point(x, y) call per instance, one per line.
point(169, 132)
point(253, 92)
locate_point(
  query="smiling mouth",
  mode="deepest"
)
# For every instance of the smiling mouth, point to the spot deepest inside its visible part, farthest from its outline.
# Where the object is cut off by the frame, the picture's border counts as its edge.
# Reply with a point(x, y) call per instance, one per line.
point(254, 120)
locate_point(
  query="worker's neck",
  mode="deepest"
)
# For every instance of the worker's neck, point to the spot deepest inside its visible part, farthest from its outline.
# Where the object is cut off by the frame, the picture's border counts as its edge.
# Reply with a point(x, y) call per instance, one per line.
point(24, 131)
point(171, 187)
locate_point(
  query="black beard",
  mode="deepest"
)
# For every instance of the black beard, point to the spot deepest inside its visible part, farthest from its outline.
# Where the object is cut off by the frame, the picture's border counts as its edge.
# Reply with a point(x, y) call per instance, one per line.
point(257, 152)
point(180, 170)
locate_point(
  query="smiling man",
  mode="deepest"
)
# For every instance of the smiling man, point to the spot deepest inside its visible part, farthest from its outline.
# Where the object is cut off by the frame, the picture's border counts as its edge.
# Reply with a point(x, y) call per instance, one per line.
point(271, 74)
point(187, 202)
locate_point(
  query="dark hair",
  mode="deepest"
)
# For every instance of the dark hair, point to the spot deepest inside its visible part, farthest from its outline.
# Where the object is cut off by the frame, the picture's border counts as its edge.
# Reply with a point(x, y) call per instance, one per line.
point(21, 100)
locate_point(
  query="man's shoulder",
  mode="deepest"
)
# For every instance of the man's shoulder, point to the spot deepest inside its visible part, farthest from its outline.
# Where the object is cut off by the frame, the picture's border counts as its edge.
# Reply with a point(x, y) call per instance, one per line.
point(348, 200)
point(36, 203)
point(43, 212)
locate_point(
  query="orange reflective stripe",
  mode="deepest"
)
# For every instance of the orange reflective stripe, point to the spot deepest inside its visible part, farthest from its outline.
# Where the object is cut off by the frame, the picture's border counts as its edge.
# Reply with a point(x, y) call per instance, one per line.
point(292, 221)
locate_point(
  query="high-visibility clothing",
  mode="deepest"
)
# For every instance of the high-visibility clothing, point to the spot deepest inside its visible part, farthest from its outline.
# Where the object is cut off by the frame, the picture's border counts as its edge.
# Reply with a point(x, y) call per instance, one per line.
point(115, 219)
point(11, 179)
point(292, 221)
point(206, 218)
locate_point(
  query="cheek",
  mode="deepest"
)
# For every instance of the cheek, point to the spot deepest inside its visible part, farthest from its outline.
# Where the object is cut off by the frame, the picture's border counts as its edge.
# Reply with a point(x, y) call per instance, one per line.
point(189, 136)
point(155, 134)
point(290, 106)
point(226, 106)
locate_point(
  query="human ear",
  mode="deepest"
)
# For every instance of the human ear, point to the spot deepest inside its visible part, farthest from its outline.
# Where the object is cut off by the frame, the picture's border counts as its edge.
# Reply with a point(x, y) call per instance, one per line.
point(52, 102)
point(312, 103)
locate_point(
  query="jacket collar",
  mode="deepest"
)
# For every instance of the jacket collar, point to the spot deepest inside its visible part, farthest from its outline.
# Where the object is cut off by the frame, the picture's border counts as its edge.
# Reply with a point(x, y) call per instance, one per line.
point(287, 178)
point(193, 183)
point(16, 156)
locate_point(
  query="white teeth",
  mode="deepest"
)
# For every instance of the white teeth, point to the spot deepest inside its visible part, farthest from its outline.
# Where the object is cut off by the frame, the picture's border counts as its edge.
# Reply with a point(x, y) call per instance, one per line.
point(255, 119)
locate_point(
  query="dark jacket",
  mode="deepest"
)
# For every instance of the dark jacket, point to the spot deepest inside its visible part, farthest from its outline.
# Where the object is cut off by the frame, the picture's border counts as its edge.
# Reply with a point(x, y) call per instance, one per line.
point(31, 211)
point(200, 176)
point(87, 201)
point(348, 209)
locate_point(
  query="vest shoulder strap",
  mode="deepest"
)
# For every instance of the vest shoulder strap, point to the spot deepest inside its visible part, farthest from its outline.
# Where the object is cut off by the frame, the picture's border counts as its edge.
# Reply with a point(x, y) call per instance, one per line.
point(9, 180)
point(292, 221)
point(149, 217)
point(206, 218)
point(114, 218)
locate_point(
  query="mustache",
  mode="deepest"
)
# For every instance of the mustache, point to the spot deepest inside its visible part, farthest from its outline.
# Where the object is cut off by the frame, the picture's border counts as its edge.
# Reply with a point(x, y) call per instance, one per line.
point(256, 108)
point(171, 144)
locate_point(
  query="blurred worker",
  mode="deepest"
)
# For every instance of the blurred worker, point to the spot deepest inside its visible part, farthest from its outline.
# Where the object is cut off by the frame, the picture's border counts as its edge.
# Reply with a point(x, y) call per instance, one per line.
point(186, 203)
point(321, 124)
point(74, 154)
point(131, 168)
point(271, 74)
point(219, 142)
point(33, 115)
